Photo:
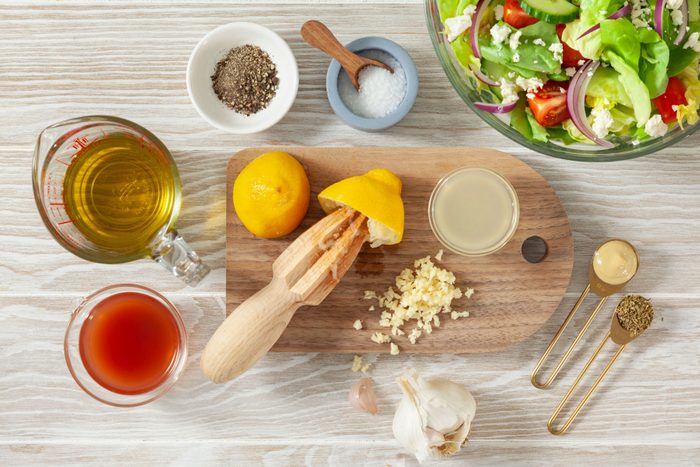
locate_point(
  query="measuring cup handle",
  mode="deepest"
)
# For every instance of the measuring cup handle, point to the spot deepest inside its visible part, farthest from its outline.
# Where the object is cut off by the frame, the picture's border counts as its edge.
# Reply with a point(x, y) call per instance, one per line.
point(174, 254)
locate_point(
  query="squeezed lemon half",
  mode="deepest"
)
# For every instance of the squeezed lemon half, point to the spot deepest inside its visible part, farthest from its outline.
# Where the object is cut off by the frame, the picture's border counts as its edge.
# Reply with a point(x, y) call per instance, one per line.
point(377, 195)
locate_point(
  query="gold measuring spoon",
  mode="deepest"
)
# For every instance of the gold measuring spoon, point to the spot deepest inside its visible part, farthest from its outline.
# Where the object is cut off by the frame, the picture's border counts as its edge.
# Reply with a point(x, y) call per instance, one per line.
point(316, 34)
point(636, 313)
point(614, 263)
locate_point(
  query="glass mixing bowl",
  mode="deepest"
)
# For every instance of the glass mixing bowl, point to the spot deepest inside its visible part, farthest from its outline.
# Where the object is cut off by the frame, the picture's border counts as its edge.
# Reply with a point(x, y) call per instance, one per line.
point(466, 88)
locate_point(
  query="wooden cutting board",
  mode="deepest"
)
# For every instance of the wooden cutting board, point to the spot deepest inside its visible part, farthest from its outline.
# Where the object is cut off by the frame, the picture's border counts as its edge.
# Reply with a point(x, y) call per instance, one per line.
point(512, 299)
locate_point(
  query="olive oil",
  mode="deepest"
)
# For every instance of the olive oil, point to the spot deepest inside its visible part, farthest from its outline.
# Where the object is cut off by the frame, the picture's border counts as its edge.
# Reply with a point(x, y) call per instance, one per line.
point(120, 191)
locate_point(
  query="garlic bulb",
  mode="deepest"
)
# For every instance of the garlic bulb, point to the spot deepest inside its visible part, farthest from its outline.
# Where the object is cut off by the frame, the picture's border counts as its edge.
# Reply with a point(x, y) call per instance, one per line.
point(362, 396)
point(434, 416)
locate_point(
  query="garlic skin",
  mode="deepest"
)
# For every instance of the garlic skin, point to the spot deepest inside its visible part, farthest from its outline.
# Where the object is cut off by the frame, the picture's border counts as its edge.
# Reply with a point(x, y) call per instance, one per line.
point(434, 417)
point(362, 396)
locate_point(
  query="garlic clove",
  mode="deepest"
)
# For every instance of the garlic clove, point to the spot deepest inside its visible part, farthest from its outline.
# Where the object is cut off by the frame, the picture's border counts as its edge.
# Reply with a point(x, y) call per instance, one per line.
point(362, 396)
point(434, 416)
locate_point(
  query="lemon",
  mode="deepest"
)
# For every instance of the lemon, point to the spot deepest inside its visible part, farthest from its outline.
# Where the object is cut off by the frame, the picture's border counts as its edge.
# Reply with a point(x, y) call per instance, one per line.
point(377, 195)
point(271, 195)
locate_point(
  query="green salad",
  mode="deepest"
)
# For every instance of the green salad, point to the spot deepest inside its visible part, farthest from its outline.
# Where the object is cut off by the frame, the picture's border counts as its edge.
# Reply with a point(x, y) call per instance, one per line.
point(592, 71)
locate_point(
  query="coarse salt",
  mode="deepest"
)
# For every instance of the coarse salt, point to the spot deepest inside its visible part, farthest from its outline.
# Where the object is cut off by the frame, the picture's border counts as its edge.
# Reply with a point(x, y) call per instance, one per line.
point(380, 92)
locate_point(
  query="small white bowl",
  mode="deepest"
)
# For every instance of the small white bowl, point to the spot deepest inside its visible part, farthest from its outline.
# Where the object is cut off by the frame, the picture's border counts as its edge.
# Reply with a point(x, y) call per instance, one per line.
point(212, 48)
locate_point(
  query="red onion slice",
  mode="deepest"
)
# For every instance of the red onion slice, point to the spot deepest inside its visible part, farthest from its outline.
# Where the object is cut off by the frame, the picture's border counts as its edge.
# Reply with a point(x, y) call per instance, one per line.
point(624, 11)
point(659, 17)
point(576, 102)
point(482, 77)
point(684, 25)
point(495, 108)
point(478, 15)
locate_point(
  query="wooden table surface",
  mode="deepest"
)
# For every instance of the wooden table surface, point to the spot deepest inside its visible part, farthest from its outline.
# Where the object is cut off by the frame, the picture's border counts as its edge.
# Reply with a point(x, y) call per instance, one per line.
point(128, 58)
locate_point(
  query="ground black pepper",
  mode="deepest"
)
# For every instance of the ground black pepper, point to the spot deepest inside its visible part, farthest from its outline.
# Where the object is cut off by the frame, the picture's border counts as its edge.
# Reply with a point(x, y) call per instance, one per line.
point(245, 79)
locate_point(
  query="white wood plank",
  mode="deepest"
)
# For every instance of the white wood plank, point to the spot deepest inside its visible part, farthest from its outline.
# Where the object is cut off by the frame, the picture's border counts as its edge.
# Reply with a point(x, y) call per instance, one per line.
point(303, 397)
point(216, 454)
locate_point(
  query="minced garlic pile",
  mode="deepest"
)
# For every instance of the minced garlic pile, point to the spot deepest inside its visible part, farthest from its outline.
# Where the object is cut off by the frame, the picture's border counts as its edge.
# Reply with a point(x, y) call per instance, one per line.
point(421, 294)
point(358, 364)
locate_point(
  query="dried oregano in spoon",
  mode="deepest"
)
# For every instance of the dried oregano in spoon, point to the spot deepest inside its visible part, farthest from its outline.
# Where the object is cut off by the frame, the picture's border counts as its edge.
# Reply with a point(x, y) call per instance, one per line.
point(635, 314)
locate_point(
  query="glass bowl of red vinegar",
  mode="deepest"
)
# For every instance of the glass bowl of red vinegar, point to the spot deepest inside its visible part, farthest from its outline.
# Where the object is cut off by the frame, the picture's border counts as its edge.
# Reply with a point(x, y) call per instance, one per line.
point(125, 345)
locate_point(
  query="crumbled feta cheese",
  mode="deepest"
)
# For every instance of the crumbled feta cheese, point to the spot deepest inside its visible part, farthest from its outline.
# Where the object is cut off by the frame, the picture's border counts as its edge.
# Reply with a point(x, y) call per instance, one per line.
point(639, 14)
point(439, 254)
point(693, 42)
point(674, 4)
point(371, 308)
point(570, 71)
point(468, 293)
point(455, 27)
point(580, 62)
point(516, 57)
point(509, 91)
point(380, 338)
point(499, 33)
point(675, 108)
point(602, 121)
point(357, 325)
point(539, 41)
point(370, 295)
point(529, 84)
point(358, 364)
point(557, 49)
point(677, 17)
point(655, 127)
point(498, 11)
point(530, 95)
point(514, 40)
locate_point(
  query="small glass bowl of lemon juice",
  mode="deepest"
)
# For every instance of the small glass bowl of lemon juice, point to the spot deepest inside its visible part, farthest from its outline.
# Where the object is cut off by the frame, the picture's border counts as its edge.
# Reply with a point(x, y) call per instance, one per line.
point(474, 211)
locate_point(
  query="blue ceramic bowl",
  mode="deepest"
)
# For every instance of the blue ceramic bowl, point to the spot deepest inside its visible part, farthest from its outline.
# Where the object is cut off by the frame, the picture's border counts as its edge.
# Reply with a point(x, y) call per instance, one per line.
point(374, 124)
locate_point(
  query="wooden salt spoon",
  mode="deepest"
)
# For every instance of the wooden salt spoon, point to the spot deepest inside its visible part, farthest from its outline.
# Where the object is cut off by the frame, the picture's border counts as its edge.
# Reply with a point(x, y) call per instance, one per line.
point(316, 34)
point(304, 274)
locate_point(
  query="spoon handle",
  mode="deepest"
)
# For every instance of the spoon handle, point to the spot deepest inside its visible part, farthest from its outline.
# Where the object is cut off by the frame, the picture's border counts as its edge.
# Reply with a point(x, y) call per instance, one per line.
point(589, 393)
point(316, 34)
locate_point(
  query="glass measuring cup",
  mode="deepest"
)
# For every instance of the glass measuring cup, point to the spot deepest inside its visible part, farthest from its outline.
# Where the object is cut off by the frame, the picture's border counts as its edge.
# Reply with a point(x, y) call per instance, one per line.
point(109, 191)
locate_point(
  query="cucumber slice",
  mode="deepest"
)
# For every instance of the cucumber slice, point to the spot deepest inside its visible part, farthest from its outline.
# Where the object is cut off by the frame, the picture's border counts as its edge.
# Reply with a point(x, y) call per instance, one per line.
point(550, 11)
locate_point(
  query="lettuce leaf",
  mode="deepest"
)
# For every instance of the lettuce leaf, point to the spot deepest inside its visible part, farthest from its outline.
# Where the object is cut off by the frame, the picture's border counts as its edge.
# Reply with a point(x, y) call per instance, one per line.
point(589, 46)
point(620, 36)
point(633, 85)
point(606, 84)
point(519, 121)
point(653, 67)
point(595, 11)
point(539, 133)
point(533, 58)
point(681, 58)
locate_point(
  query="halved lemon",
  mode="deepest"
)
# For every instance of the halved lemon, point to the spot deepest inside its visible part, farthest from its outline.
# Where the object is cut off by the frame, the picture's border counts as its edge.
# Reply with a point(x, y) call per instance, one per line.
point(377, 195)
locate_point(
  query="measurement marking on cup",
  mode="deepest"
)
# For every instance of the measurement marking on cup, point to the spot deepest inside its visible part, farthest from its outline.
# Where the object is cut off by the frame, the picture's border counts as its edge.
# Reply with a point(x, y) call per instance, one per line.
point(66, 222)
point(56, 204)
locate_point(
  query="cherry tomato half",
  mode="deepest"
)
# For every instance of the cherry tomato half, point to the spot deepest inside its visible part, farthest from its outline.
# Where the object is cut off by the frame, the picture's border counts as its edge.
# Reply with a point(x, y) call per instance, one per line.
point(674, 95)
point(514, 15)
point(571, 57)
point(549, 104)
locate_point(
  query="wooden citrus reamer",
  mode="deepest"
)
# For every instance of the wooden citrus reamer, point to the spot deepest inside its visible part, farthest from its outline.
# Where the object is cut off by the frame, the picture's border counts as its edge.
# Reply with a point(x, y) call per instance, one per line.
point(304, 274)
point(600, 288)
